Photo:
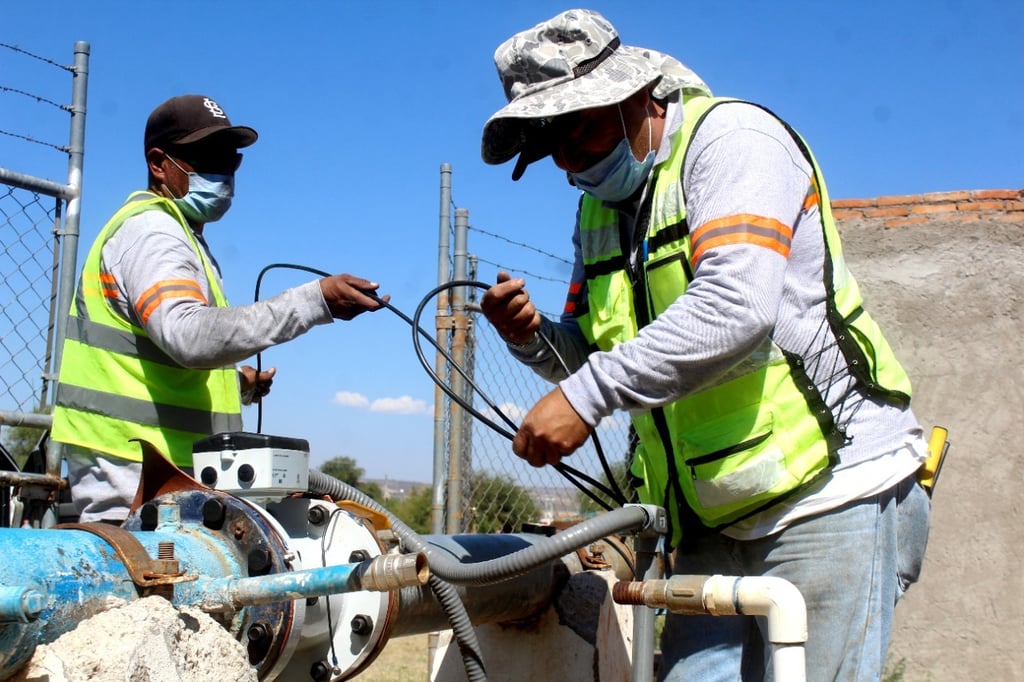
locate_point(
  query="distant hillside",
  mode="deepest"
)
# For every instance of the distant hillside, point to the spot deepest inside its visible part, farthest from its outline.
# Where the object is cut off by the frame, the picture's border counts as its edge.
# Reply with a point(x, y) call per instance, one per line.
point(397, 490)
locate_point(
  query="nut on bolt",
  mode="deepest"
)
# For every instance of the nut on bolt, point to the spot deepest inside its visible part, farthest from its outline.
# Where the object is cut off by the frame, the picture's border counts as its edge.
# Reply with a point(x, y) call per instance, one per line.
point(316, 515)
point(362, 625)
point(259, 561)
point(214, 514)
point(149, 516)
point(320, 671)
point(258, 632)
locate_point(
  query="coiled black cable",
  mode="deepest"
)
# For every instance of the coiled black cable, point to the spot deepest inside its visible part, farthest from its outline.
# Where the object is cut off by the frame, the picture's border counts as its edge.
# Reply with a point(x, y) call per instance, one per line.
point(571, 474)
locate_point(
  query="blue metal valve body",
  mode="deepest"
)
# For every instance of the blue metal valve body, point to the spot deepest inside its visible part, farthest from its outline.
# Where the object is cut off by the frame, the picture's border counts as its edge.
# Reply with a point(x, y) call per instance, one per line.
point(54, 579)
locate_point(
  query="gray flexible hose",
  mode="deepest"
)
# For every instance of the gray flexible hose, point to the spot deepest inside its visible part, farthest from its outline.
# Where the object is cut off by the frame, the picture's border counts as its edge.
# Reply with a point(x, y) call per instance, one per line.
point(445, 570)
point(632, 517)
point(545, 551)
point(469, 648)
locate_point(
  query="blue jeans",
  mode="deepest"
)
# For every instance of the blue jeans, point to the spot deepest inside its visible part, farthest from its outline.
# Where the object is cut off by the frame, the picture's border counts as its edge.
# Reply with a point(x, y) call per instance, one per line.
point(851, 566)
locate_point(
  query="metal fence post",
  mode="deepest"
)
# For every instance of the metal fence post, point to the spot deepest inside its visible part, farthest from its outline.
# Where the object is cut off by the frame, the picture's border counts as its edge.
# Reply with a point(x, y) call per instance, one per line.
point(69, 252)
point(440, 364)
point(460, 437)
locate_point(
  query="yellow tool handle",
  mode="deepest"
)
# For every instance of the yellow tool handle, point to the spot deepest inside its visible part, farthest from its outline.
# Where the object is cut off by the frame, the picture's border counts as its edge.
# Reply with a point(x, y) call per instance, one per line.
point(937, 446)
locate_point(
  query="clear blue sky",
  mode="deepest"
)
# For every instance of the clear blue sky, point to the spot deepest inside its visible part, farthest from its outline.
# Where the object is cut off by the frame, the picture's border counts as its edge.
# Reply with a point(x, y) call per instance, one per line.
point(359, 103)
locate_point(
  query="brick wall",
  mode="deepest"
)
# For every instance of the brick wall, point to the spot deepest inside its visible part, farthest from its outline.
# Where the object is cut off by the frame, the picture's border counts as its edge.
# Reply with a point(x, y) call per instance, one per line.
point(965, 206)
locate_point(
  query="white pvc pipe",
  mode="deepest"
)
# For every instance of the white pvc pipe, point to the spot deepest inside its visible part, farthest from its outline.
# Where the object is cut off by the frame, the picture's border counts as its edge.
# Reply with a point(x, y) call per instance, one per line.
point(777, 599)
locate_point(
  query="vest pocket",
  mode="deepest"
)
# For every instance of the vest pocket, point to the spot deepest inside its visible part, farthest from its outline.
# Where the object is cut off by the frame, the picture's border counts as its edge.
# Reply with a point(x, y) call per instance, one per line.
point(735, 464)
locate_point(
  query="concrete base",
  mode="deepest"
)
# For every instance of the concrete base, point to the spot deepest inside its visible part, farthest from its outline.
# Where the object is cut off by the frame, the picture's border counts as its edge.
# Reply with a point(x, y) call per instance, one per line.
point(582, 636)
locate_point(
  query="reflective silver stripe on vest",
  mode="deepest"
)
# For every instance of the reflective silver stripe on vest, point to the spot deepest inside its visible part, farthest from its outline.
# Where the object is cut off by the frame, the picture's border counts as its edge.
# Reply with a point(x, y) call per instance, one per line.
point(603, 242)
point(116, 341)
point(145, 412)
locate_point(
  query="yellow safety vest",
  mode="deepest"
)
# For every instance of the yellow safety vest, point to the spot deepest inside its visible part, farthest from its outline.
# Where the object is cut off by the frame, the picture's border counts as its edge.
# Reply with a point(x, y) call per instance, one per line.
point(116, 384)
point(763, 431)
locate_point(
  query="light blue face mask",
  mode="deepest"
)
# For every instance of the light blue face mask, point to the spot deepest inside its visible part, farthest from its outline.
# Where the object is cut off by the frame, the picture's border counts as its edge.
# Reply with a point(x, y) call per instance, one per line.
point(618, 175)
point(208, 197)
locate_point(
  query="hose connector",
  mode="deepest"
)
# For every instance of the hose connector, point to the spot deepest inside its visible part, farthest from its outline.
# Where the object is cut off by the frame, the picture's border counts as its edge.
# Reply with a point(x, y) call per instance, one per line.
point(657, 520)
point(678, 594)
point(393, 571)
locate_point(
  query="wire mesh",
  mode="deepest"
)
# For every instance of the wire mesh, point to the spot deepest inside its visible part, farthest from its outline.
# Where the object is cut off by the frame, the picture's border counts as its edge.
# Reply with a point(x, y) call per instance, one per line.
point(500, 491)
point(28, 240)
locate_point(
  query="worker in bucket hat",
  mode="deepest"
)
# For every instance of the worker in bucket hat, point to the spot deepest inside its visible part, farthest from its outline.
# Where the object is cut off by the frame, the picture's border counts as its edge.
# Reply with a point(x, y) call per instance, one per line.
point(152, 343)
point(710, 300)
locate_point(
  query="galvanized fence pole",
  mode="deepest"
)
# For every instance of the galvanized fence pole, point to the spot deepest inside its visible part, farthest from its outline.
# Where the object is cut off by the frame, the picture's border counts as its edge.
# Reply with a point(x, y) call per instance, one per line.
point(460, 437)
point(69, 237)
point(440, 364)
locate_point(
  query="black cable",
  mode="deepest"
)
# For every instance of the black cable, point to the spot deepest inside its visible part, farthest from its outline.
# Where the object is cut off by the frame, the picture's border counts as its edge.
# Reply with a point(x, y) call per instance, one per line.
point(256, 297)
point(571, 474)
point(619, 496)
point(568, 472)
point(328, 537)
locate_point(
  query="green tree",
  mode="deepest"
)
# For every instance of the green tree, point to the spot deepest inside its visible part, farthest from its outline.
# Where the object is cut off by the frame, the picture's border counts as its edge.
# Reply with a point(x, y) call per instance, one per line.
point(497, 503)
point(348, 470)
point(414, 509)
point(20, 441)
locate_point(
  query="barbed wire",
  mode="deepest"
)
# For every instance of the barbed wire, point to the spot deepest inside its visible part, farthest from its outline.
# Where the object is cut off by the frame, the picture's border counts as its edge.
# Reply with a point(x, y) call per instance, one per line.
point(63, 107)
point(513, 269)
point(522, 245)
point(515, 243)
point(60, 148)
point(15, 48)
point(525, 272)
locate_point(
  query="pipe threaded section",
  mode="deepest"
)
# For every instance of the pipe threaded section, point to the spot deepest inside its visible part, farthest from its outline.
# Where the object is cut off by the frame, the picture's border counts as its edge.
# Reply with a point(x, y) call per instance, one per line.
point(628, 592)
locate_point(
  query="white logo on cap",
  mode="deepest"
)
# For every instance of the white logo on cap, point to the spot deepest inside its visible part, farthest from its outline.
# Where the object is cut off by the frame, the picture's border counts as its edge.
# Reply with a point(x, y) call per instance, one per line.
point(214, 108)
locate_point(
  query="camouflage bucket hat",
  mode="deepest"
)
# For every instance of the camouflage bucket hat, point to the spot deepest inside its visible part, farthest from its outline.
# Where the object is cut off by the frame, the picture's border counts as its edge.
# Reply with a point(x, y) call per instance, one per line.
point(571, 62)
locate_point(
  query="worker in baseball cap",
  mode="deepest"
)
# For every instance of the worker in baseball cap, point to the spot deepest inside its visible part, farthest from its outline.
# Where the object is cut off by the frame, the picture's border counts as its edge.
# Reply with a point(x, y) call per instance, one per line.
point(152, 343)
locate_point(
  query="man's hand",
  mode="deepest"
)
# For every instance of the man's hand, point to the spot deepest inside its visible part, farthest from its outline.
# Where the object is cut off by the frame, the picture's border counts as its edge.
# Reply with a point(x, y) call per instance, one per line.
point(508, 307)
point(550, 431)
point(253, 387)
point(346, 295)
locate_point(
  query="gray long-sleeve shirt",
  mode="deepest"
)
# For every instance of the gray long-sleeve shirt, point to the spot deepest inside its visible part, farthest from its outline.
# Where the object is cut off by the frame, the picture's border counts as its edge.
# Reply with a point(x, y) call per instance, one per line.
point(158, 278)
point(741, 161)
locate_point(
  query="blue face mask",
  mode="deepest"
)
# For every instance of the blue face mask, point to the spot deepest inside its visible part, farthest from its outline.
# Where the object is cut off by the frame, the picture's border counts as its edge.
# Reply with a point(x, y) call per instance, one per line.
point(208, 197)
point(618, 175)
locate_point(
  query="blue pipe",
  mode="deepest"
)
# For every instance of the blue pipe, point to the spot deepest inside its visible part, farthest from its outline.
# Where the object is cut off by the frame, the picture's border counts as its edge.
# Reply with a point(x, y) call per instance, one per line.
point(231, 593)
point(58, 578)
point(380, 574)
point(53, 579)
point(76, 573)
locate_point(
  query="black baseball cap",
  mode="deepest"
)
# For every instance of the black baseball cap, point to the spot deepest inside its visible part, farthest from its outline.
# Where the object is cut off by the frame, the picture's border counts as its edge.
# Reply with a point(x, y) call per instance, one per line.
point(187, 119)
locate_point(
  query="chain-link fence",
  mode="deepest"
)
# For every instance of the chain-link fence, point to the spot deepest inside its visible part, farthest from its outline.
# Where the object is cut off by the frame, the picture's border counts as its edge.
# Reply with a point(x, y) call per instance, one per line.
point(502, 491)
point(29, 229)
point(488, 488)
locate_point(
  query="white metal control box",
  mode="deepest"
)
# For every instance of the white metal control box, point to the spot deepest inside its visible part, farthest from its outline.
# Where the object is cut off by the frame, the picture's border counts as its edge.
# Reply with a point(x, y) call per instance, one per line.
point(252, 465)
